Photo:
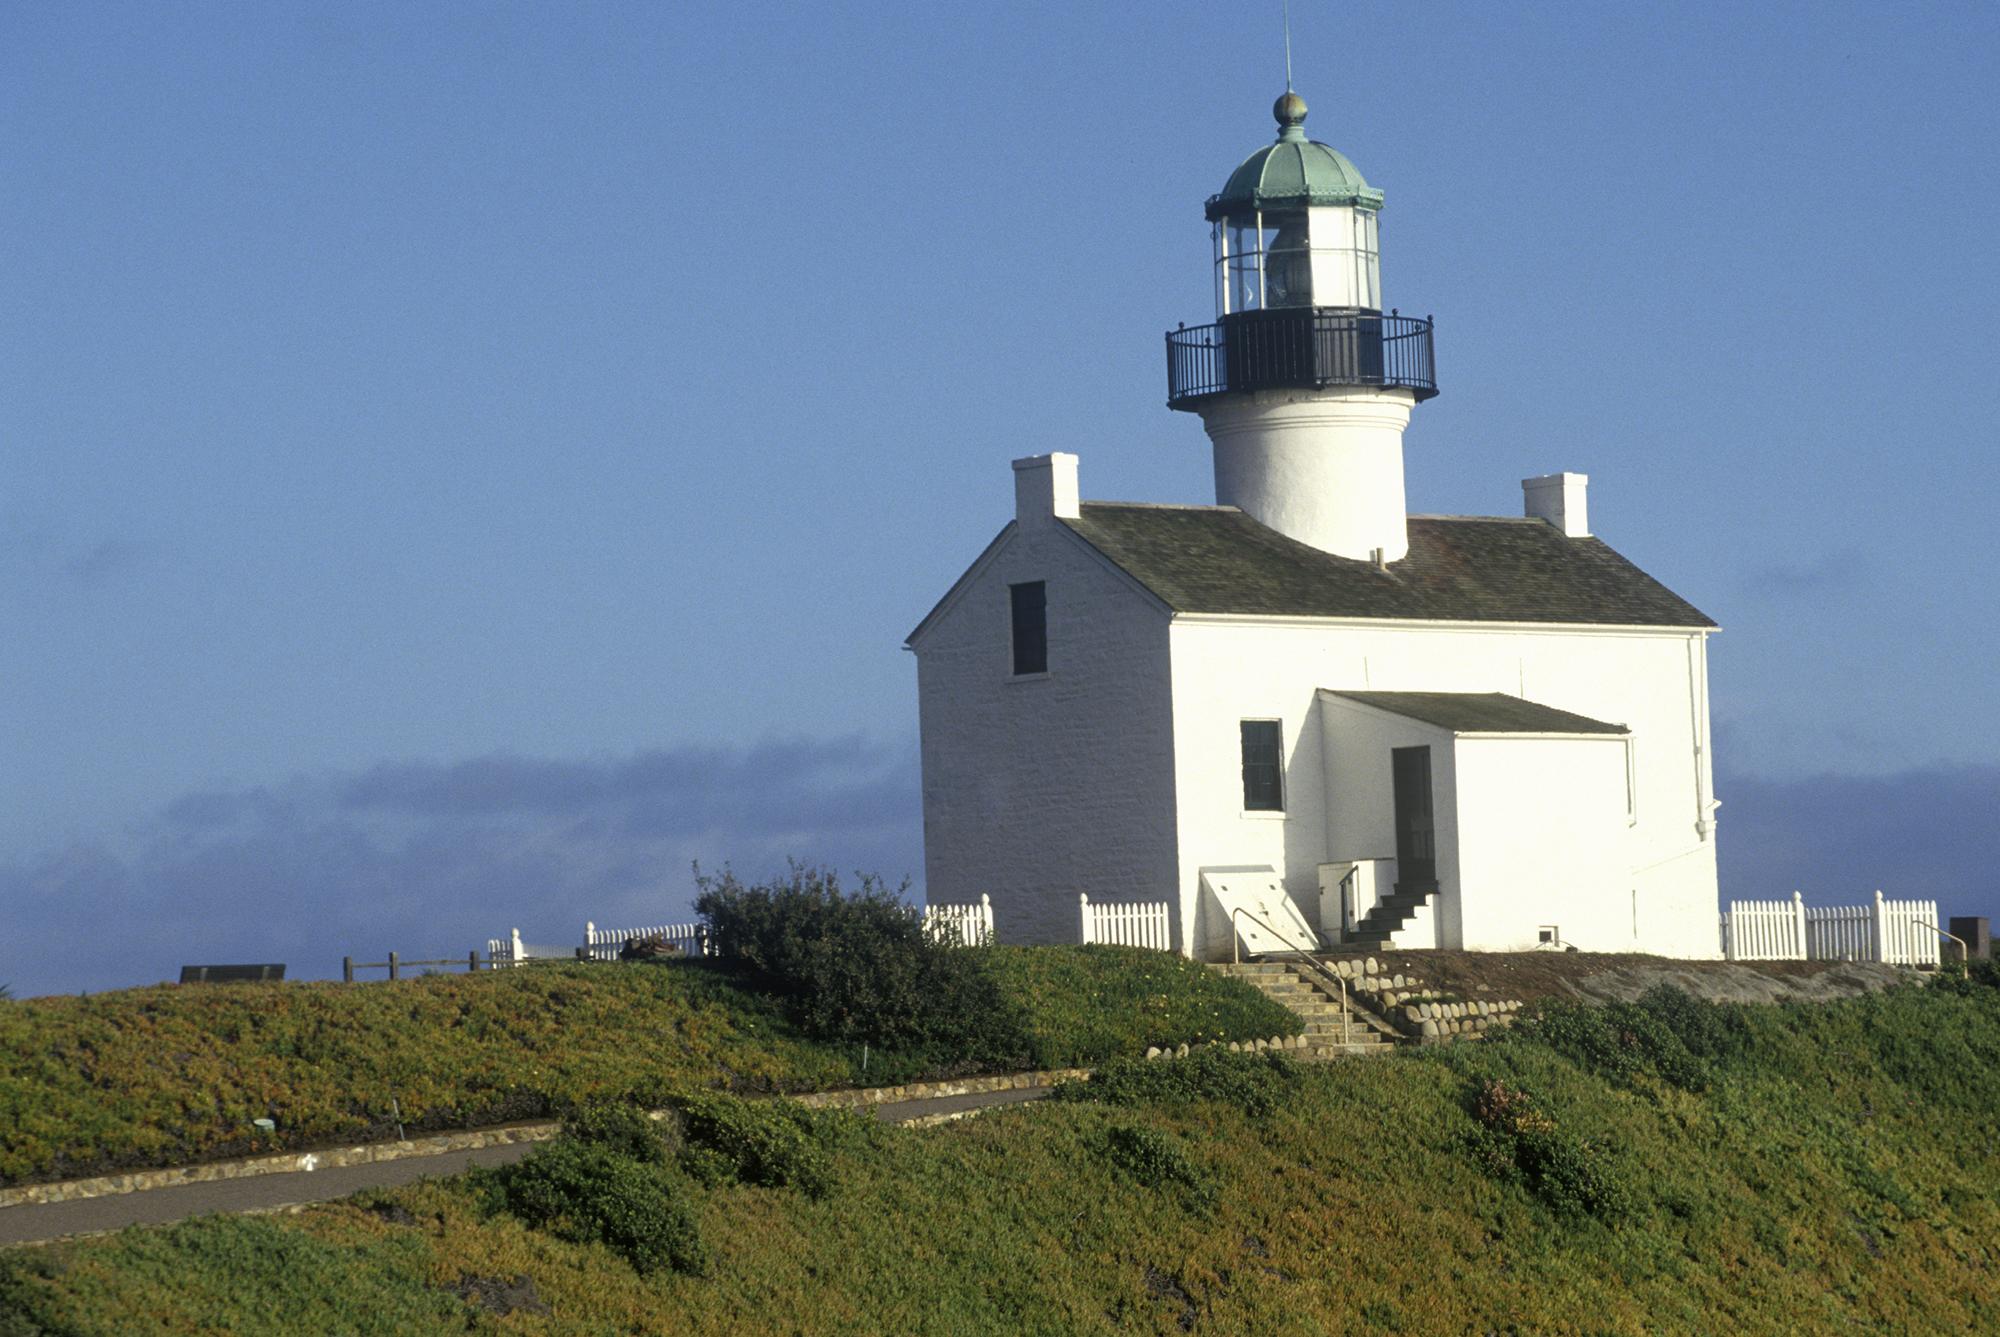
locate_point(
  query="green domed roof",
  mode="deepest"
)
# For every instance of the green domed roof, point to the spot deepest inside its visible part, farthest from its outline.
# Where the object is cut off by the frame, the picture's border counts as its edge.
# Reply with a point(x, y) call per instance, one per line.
point(1294, 172)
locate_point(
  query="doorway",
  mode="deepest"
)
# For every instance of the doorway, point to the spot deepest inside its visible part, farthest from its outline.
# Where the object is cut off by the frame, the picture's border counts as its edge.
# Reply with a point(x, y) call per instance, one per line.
point(1416, 830)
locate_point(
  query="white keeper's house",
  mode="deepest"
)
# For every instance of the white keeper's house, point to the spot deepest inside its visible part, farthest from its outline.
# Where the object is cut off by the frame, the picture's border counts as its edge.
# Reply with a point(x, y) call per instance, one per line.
point(1302, 711)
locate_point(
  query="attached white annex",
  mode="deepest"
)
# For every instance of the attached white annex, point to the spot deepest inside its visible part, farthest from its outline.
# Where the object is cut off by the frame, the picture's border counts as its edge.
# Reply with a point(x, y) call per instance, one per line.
point(1302, 712)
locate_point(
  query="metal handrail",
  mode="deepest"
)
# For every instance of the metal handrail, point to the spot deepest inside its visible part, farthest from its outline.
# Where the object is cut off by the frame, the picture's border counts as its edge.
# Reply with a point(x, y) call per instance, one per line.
point(1236, 951)
point(1300, 348)
point(1964, 949)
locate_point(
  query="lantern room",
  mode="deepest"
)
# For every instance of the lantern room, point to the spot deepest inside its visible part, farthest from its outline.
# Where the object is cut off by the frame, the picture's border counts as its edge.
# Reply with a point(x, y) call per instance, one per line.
point(1298, 282)
point(1296, 226)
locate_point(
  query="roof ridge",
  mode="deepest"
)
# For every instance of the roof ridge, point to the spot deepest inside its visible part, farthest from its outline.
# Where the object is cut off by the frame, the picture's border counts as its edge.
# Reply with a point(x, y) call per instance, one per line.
point(1165, 506)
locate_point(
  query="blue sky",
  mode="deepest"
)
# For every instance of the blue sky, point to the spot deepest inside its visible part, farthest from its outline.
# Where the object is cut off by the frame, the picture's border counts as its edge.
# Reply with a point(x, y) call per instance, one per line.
point(440, 443)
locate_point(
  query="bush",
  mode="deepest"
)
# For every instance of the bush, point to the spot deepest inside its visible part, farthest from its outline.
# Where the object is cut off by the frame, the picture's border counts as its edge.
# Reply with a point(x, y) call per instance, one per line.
point(1158, 1161)
point(623, 1129)
point(1518, 1139)
point(590, 1193)
point(858, 967)
point(769, 1143)
point(1088, 1004)
point(1708, 1030)
point(1617, 1040)
point(1957, 977)
point(1257, 1084)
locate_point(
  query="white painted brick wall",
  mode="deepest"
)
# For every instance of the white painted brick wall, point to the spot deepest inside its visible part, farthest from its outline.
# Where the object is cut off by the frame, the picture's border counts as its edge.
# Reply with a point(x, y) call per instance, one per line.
point(1037, 789)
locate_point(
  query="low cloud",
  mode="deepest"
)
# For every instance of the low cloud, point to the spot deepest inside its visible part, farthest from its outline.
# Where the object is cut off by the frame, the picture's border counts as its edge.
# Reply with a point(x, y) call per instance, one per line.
point(106, 561)
point(431, 860)
point(1829, 573)
point(1926, 834)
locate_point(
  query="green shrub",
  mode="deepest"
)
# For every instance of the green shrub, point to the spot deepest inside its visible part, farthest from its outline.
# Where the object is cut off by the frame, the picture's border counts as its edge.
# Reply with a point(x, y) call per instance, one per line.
point(27, 1304)
point(1088, 1004)
point(1617, 1040)
point(858, 967)
point(590, 1193)
point(1966, 978)
point(1519, 1140)
point(1709, 1031)
point(1257, 1084)
point(1158, 1161)
point(769, 1143)
point(622, 1128)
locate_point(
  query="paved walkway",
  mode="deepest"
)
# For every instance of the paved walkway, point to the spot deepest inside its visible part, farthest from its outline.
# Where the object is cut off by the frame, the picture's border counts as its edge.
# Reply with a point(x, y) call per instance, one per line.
point(41, 1222)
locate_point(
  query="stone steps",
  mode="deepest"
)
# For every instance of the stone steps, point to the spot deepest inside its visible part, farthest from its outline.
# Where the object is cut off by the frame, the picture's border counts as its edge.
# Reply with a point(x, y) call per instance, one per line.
point(1329, 1028)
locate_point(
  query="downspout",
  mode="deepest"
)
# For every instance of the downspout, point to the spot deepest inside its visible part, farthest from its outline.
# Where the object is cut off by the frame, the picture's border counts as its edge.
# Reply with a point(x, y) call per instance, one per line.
point(1704, 776)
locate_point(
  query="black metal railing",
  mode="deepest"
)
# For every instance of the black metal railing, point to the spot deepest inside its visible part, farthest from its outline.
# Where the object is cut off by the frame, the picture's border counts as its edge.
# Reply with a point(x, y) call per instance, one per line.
point(1300, 348)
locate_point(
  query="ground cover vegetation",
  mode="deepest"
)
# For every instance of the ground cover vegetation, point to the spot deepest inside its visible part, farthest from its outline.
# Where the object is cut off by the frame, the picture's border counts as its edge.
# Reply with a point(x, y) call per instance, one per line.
point(822, 988)
point(1668, 1165)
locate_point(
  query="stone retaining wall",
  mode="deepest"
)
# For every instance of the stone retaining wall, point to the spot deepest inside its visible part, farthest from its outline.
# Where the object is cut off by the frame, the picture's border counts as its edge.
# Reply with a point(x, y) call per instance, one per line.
point(328, 1158)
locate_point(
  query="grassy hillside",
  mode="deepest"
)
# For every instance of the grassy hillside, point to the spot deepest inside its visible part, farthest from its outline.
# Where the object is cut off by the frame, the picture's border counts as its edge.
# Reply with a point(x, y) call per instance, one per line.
point(170, 1074)
point(1673, 1167)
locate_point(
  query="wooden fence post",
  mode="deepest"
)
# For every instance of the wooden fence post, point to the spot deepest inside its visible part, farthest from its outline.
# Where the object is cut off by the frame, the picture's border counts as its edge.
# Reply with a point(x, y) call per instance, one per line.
point(472, 961)
point(1083, 910)
point(1799, 918)
point(395, 967)
point(347, 970)
point(1881, 927)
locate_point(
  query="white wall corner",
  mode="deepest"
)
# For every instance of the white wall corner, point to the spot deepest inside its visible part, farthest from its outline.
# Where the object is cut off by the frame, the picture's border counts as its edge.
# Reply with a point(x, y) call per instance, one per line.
point(1045, 488)
point(1559, 499)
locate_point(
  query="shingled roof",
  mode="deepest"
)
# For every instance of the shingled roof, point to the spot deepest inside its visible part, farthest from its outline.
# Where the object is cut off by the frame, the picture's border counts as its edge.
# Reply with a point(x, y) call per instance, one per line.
point(1216, 559)
point(1481, 712)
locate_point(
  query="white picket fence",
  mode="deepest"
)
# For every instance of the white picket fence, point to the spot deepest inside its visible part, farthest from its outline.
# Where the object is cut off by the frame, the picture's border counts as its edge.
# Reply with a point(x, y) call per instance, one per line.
point(1126, 923)
point(1897, 932)
point(974, 923)
point(606, 943)
point(512, 951)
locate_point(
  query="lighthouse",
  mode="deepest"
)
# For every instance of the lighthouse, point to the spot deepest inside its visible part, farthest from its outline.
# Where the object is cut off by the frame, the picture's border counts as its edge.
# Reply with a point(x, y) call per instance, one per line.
point(1302, 717)
point(1303, 383)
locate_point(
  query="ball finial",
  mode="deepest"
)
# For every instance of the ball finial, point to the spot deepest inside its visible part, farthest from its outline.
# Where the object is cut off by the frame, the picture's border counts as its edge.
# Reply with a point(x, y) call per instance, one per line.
point(1290, 110)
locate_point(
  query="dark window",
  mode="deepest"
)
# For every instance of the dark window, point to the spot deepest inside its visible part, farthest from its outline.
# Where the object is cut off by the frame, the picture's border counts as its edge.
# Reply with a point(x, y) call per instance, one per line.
point(1263, 767)
point(1031, 627)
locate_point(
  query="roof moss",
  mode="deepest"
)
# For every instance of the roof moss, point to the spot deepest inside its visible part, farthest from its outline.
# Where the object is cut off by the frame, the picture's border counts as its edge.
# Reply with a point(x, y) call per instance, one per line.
point(1216, 559)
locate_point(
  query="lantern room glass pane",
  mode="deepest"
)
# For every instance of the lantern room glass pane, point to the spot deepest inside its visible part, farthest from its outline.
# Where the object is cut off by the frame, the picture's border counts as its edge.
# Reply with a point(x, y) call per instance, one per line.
point(1243, 270)
point(1367, 260)
point(1287, 260)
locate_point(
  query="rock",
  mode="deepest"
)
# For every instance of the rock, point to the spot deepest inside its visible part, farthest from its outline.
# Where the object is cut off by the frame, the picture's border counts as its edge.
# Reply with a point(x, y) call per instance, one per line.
point(1152, 1051)
point(1235, 1048)
point(1430, 1029)
point(1344, 969)
point(1181, 1050)
point(1371, 967)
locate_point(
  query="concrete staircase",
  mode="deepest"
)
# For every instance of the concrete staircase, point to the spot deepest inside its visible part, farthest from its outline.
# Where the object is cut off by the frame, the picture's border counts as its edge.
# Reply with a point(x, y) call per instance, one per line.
point(1318, 1004)
point(1386, 1008)
point(1384, 921)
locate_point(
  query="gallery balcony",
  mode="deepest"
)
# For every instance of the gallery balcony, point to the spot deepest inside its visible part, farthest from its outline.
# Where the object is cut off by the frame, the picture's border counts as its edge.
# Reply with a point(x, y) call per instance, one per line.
point(1299, 348)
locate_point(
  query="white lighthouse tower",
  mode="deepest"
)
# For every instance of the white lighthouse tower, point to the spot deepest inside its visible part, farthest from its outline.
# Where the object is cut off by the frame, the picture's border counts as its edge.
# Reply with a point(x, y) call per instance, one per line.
point(1302, 383)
